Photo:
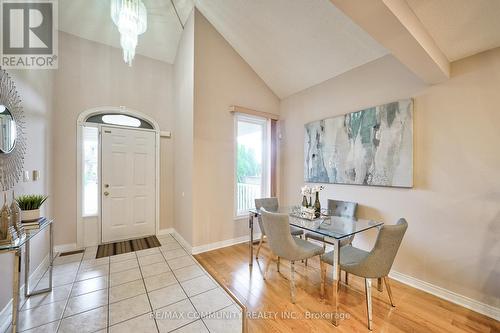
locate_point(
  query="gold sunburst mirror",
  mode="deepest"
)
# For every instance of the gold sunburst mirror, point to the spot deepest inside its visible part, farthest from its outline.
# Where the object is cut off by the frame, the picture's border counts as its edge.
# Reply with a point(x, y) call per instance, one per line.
point(12, 136)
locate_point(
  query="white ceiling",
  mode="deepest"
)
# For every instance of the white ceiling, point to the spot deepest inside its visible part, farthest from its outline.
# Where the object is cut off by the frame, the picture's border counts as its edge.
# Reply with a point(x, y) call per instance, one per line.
point(461, 28)
point(90, 19)
point(292, 44)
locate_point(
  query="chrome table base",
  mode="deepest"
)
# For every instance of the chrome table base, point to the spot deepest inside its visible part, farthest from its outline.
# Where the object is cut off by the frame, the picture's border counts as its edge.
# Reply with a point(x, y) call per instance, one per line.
point(17, 272)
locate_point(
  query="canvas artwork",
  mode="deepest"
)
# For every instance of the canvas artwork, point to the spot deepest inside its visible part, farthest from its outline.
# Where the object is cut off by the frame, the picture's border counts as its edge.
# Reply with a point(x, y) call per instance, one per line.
point(369, 147)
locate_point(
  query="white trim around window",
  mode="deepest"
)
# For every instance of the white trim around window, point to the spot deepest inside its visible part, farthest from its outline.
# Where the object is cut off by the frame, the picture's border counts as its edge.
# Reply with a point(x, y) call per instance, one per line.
point(246, 192)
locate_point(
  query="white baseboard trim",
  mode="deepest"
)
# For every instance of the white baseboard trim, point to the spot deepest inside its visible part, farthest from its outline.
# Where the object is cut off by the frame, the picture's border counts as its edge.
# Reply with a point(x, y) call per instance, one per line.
point(165, 231)
point(182, 241)
point(222, 244)
point(6, 313)
point(466, 302)
point(65, 248)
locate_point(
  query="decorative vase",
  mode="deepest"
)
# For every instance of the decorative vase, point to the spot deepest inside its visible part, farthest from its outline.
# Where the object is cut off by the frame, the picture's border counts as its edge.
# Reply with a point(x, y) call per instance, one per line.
point(5, 230)
point(304, 202)
point(317, 206)
point(30, 215)
point(15, 216)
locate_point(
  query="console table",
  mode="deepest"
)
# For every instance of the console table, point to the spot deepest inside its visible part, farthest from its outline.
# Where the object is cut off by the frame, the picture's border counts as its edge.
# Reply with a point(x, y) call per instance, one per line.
point(16, 248)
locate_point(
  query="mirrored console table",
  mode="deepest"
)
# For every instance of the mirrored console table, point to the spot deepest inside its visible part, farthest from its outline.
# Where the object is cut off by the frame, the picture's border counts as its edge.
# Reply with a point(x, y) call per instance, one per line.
point(16, 248)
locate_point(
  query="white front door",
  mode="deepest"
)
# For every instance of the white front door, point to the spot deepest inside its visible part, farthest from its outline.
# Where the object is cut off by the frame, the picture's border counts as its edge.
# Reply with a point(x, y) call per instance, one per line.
point(128, 183)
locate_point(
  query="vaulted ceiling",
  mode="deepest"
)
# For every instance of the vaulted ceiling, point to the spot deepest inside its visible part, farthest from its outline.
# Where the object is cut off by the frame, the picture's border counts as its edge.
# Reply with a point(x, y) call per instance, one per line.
point(460, 28)
point(291, 44)
point(91, 19)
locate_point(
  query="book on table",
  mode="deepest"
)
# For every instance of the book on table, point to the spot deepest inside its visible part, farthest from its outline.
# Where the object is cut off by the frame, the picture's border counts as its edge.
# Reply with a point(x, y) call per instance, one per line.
point(33, 224)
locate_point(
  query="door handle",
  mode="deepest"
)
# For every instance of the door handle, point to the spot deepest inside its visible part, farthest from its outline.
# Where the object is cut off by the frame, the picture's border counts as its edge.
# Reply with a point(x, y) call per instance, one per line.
point(106, 193)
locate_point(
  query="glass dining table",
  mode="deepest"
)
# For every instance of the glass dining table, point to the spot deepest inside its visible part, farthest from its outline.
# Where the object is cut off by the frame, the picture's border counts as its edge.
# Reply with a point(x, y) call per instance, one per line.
point(332, 228)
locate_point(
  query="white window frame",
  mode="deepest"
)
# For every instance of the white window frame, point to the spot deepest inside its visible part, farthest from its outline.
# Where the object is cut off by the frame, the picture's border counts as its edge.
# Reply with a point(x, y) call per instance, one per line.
point(96, 213)
point(266, 158)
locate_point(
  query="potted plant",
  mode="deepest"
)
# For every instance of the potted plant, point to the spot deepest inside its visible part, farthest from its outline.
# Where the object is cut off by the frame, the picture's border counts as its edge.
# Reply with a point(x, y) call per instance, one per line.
point(30, 206)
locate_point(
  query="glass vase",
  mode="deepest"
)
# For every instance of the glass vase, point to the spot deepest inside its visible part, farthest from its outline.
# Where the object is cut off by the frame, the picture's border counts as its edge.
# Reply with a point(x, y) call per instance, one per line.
point(304, 201)
point(317, 206)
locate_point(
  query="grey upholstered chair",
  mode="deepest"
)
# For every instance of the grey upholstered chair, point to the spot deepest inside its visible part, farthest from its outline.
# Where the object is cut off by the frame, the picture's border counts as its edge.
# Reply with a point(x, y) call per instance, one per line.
point(271, 205)
point(336, 208)
point(375, 264)
point(283, 245)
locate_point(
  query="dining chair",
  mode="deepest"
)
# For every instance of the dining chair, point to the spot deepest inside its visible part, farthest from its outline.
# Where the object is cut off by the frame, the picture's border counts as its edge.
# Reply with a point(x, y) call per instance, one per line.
point(271, 205)
point(375, 264)
point(336, 208)
point(284, 245)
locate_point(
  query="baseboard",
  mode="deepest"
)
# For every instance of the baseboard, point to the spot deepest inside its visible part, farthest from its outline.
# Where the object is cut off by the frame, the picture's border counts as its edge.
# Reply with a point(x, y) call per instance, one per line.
point(6, 313)
point(466, 302)
point(182, 241)
point(222, 244)
point(65, 248)
point(165, 231)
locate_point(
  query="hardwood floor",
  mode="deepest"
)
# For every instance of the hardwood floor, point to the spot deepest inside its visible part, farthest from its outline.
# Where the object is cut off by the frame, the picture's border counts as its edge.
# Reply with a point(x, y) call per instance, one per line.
point(270, 309)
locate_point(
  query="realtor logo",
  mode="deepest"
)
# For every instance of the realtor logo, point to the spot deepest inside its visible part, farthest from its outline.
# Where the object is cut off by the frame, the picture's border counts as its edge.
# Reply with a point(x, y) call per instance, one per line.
point(29, 34)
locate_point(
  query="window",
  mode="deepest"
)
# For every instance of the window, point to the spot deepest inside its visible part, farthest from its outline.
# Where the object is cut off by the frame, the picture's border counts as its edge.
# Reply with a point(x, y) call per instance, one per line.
point(252, 161)
point(90, 171)
point(119, 120)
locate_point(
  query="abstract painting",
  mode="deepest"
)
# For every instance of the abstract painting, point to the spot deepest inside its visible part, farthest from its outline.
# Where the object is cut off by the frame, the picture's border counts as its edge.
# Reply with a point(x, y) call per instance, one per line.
point(369, 147)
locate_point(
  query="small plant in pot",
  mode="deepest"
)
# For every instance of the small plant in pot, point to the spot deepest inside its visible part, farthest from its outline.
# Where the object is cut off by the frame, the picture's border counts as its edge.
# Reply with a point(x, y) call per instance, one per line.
point(30, 206)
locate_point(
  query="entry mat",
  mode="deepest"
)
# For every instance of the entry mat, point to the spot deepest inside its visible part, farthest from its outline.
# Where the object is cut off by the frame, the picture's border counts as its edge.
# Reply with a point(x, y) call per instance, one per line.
point(112, 249)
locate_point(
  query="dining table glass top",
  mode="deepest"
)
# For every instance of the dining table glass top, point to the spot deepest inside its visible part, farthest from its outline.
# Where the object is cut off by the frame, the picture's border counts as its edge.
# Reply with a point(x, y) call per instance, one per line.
point(326, 224)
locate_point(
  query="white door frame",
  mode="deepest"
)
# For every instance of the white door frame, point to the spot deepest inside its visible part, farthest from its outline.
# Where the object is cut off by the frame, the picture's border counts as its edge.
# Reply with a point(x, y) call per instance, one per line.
point(81, 122)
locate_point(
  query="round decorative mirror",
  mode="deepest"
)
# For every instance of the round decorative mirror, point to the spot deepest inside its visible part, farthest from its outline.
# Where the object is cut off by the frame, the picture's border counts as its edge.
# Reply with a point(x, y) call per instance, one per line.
point(7, 130)
point(12, 139)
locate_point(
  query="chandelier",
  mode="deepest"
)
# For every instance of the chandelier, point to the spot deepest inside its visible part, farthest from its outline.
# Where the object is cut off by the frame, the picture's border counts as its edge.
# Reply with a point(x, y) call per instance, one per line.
point(130, 16)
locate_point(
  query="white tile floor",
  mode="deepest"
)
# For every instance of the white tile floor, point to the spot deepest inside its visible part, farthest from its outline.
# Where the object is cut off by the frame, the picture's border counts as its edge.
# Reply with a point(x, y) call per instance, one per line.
point(161, 289)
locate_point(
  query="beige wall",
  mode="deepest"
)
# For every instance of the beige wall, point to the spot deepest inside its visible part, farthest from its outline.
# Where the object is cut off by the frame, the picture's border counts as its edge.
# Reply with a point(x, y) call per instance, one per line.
point(222, 78)
point(183, 134)
point(453, 209)
point(35, 89)
point(92, 75)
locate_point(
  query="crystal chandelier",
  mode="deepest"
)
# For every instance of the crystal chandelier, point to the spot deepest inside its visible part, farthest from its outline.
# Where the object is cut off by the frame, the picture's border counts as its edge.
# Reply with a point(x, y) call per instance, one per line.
point(130, 16)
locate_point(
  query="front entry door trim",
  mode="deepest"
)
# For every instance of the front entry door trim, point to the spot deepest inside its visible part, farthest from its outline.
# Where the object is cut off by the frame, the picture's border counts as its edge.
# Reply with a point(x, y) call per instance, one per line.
point(81, 238)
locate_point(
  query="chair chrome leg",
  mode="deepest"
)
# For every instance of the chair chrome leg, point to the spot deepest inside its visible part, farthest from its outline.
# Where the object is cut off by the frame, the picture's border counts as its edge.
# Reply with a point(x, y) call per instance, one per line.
point(389, 291)
point(380, 286)
point(368, 292)
point(268, 263)
point(346, 278)
point(306, 238)
point(292, 280)
point(278, 264)
point(258, 248)
point(322, 266)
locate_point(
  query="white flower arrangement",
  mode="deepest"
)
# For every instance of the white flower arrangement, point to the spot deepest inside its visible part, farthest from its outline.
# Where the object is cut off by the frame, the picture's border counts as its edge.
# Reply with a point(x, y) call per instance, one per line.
point(317, 189)
point(306, 190)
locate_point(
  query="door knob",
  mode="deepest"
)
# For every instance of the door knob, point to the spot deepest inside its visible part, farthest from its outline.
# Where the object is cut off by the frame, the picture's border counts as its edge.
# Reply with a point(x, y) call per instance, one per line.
point(106, 193)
